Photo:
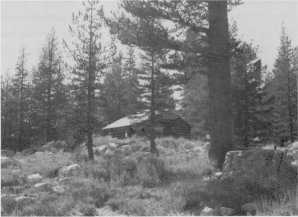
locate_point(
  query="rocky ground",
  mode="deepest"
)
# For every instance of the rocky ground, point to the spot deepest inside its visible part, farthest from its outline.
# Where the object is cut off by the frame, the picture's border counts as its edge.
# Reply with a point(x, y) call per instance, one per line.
point(125, 180)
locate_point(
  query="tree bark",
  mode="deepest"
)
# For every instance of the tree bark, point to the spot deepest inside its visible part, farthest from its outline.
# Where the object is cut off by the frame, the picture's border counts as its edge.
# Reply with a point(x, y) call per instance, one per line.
point(90, 92)
point(219, 83)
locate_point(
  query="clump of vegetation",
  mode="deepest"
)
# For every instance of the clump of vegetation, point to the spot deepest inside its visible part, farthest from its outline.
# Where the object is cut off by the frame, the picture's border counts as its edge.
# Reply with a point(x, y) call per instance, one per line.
point(284, 203)
point(8, 205)
point(104, 140)
point(46, 164)
point(151, 171)
point(10, 178)
point(47, 205)
point(87, 209)
point(89, 190)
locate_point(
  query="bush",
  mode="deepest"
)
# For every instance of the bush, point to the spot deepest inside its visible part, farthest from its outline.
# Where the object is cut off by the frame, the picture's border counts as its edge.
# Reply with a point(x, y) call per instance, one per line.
point(284, 203)
point(94, 170)
point(54, 145)
point(48, 205)
point(103, 140)
point(46, 164)
point(8, 178)
point(8, 204)
point(87, 209)
point(187, 166)
point(150, 171)
point(89, 191)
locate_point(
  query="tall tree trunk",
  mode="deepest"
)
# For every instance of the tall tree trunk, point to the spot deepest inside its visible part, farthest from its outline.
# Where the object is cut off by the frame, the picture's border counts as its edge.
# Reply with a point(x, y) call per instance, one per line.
point(152, 110)
point(219, 83)
point(90, 94)
point(89, 125)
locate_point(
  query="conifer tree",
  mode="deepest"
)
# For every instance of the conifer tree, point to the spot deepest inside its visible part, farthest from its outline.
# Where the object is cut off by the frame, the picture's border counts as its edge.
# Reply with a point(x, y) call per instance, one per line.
point(114, 91)
point(21, 94)
point(87, 53)
point(284, 91)
point(208, 20)
point(48, 88)
point(133, 91)
point(9, 113)
point(149, 35)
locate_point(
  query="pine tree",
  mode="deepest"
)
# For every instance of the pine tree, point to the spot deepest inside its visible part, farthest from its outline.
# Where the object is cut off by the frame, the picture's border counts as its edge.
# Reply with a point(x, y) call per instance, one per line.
point(114, 91)
point(133, 91)
point(284, 90)
point(21, 94)
point(9, 126)
point(87, 53)
point(149, 35)
point(208, 20)
point(48, 89)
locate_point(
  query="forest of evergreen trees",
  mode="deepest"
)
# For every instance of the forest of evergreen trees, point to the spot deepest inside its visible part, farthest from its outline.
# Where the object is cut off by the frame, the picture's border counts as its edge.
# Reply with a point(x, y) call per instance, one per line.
point(225, 89)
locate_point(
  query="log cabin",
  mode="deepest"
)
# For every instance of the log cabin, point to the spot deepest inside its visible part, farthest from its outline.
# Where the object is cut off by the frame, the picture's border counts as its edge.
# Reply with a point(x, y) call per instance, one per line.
point(167, 124)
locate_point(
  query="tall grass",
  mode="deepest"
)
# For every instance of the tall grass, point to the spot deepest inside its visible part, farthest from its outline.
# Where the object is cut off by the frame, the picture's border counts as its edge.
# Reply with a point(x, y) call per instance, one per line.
point(46, 164)
point(284, 203)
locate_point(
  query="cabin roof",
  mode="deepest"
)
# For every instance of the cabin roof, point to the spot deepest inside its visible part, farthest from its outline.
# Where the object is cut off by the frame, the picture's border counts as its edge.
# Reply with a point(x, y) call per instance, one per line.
point(138, 118)
point(128, 121)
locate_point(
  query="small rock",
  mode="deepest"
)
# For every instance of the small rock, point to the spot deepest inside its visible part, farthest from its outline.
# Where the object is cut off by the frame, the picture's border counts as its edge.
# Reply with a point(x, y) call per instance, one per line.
point(100, 149)
point(109, 153)
point(218, 174)
point(34, 178)
point(71, 170)
point(113, 145)
point(225, 211)
point(198, 149)
point(16, 172)
point(249, 208)
point(43, 186)
point(59, 189)
point(207, 211)
point(63, 179)
point(23, 200)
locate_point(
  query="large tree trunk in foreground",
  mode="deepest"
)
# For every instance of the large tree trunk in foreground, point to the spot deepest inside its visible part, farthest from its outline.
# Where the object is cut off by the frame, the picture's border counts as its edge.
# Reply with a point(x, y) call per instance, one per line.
point(219, 82)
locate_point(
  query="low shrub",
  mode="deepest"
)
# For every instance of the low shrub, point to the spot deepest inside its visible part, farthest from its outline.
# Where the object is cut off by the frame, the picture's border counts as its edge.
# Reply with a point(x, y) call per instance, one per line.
point(104, 140)
point(8, 205)
point(90, 191)
point(48, 205)
point(54, 145)
point(46, 164)
point(150, 171)
point(87, 209)
point(9, 178)
point(133, 207)
point(94, 170)
point(284, 203)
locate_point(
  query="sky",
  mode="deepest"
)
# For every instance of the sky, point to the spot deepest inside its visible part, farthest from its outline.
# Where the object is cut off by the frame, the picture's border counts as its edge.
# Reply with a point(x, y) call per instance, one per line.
point(26, 23)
